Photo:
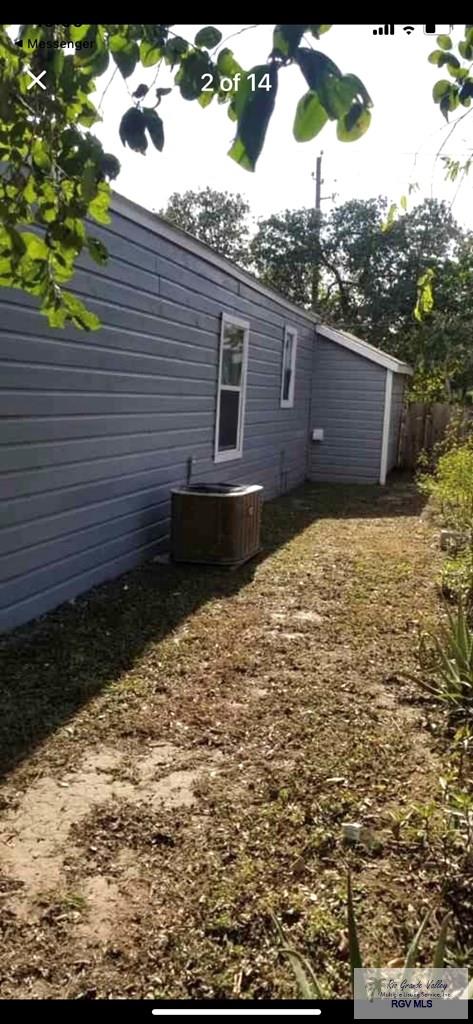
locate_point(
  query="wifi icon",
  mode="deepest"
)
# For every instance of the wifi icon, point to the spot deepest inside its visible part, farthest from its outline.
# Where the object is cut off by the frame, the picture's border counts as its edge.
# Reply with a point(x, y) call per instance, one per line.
point(408, 29)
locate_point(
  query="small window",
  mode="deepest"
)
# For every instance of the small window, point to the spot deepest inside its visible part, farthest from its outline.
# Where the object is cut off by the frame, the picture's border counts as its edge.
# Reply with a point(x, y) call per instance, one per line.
point(288, 368)
point(231, 388)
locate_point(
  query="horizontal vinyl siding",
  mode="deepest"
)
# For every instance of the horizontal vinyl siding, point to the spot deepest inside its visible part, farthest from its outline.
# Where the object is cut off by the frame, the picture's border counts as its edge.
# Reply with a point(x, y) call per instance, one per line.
point(348, 403)
point(95, 429)
point(396, 414)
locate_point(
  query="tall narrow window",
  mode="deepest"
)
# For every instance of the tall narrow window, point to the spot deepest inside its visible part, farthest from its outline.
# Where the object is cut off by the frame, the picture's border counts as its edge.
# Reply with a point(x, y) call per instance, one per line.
point(288, 368)
point(231, 388)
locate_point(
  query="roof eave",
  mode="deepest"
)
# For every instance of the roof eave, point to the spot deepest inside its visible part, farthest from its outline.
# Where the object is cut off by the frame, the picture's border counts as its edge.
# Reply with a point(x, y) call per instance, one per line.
point(160, 226)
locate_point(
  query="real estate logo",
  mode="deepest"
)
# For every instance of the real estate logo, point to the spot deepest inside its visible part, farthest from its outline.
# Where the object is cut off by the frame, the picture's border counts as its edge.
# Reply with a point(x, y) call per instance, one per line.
point(425, 993)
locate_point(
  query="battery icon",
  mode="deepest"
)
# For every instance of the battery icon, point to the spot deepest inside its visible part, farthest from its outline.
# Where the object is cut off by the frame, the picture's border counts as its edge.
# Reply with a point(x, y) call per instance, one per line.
point(437, 30)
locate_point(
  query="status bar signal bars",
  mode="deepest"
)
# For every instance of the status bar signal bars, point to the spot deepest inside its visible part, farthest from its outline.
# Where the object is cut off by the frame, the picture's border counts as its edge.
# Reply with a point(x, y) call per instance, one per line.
point(384, 30)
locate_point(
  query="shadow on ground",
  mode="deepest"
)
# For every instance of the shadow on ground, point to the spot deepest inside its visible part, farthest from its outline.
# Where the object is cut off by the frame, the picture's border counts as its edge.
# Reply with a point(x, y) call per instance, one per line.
point(51, 668)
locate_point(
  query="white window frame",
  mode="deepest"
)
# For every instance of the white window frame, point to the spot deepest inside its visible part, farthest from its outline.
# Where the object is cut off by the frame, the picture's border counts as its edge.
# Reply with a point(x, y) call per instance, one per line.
point(234, 453)
point(288, 403)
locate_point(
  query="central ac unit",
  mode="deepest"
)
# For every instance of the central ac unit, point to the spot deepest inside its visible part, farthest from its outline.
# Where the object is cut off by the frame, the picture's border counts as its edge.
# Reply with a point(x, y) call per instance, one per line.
point(216, 524)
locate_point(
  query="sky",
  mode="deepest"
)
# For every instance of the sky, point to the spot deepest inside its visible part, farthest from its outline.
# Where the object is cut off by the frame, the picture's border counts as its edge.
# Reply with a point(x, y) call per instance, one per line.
point(399, 149)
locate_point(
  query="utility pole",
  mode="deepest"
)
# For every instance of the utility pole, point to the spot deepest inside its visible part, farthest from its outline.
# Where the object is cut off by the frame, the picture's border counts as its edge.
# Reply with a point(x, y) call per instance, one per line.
point(316, 230)
point(318, 181)
point(316, 227)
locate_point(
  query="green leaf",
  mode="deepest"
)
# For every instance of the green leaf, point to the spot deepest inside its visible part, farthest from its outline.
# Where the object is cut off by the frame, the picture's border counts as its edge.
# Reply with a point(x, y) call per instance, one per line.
point(150, 53)
point(353, 125)
point(31, 34)
point(315, 66)
point(125, 53)
point(189, 78)
point(445, 106)
point(466, 92)
point(109, 165)
point(310, 117)
point(468, 991)
point(89, 182)
point(57, 64)
point(77, 312)
point(17, 242)
point(240, 97)
point(457, 72)
point(440, 89)
point(154, 126)
point(413, 951)
point(444, 42)
point(307, 983)
point(98, 208)
point(97, 250)
point(48, 213)
point(254, 118)
point(63, 263)
point(227, 65)
point(132, 130)
point(30, 192)
point(336, 95)
point(40, 155)
point(69, 234)
point(438, 58)
point(78, 32)
point(403, 203)
point(439, 954)
point(353, 944)
point(391, 218)
point(208, 37)
point(35, 246)
point(175, 49)
point(141, 91)
point(205, 98)
point(88, 114)
point(239, 155)
point(94, 62)
point(359, 89)
point(465, 50)
point(286, 39)
point(319, 30)
point(425, 298)
point(56, 315)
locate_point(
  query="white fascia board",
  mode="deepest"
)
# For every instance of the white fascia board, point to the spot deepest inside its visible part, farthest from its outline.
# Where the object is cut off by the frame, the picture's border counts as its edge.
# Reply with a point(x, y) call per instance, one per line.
point(153, 222)
point(364, 350)
point(388, 397)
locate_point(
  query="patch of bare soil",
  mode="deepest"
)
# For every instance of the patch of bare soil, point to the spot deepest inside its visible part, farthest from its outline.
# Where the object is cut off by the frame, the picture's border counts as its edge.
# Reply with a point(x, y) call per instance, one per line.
point(191, 745)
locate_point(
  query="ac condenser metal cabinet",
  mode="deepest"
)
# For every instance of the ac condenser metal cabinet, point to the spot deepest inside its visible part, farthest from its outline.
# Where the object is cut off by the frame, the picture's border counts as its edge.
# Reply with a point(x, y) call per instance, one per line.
point(216, 524)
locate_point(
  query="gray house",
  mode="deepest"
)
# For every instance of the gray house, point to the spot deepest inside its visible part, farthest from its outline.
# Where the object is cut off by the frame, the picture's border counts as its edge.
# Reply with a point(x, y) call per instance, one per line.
point(198, 370)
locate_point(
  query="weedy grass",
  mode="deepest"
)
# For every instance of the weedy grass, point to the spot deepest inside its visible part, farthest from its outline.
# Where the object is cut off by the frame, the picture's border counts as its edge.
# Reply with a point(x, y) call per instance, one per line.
point(309, 986)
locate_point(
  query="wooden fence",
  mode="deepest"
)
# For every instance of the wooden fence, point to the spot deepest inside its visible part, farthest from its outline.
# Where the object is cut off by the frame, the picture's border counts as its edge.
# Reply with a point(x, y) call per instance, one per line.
point(424, 425)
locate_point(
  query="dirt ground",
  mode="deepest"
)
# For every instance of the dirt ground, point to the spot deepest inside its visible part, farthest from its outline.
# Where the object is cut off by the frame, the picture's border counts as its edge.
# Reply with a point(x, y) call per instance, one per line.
point(182, 746)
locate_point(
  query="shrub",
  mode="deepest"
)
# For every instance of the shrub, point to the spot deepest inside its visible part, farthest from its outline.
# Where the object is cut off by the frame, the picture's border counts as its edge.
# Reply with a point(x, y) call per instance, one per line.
point(451, 487)
point(457, 578)
point(449, 658)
